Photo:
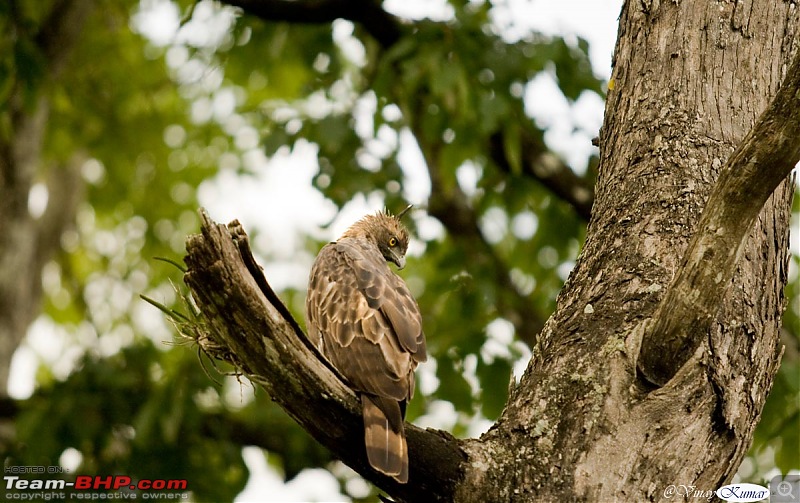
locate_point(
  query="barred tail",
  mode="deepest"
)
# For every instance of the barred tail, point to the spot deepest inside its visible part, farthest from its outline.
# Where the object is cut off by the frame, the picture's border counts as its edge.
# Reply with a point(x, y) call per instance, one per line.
point(384, 436)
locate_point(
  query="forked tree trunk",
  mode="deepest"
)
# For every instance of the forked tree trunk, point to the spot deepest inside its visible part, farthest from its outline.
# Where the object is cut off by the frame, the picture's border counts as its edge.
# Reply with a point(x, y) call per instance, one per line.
point(690, 79)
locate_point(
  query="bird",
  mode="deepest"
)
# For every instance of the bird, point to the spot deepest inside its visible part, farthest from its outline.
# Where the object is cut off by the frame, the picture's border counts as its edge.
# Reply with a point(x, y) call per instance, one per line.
point(365, 321)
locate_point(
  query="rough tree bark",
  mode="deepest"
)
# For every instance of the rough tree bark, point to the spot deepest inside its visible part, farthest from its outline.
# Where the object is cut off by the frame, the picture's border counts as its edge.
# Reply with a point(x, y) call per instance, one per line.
point(690, 79)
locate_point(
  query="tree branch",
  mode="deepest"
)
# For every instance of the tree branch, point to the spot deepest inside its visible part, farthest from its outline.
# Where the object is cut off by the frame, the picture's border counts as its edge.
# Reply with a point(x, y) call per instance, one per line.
point(251, 330)
point(450, 207)
point(271, 431)
point(61, 30)
point(384, 27)
point(755, 169)
point(448, 204)
point(275, 433)
point(540, 163)
point(66, 189)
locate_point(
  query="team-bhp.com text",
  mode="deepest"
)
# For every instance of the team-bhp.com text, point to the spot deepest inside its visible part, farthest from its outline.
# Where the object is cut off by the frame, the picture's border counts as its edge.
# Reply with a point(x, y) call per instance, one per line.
point(45, 490)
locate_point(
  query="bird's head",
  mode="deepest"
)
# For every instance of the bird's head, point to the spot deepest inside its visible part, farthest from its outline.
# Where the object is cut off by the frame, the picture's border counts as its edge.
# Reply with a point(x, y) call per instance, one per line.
point(386, 232)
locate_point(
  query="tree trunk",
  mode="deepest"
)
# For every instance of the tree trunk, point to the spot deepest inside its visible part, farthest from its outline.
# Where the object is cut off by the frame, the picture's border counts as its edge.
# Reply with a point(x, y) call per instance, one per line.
point(690, 79)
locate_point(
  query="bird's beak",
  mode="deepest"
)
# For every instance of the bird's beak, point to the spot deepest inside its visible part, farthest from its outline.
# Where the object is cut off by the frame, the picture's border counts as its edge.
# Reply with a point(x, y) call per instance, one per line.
point(399, 260)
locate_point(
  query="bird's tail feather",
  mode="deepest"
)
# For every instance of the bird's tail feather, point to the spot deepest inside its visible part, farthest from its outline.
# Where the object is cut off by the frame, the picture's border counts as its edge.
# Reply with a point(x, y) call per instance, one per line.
point(384, 436)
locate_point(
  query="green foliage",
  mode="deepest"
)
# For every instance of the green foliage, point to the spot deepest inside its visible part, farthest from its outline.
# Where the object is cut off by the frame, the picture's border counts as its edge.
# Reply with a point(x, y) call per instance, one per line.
point(136, 413)
point(777, 435)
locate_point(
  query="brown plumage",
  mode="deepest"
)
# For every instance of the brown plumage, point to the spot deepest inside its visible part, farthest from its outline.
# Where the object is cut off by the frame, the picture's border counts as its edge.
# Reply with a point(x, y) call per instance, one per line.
point(366, 322)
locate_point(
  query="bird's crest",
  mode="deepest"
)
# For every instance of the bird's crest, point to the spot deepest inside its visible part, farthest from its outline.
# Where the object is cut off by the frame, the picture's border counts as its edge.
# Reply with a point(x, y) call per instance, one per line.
point(380, 224)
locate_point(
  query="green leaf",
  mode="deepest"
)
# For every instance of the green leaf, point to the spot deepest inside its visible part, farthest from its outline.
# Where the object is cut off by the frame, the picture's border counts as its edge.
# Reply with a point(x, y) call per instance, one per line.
point(512, 147)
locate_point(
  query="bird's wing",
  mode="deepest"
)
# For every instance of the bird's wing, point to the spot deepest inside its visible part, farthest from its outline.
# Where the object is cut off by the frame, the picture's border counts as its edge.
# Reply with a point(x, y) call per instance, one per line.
point(388, 293)
point(356, 335)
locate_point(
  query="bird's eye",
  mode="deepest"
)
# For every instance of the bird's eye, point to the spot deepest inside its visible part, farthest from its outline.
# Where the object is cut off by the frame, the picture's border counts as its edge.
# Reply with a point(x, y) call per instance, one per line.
point(392, 242)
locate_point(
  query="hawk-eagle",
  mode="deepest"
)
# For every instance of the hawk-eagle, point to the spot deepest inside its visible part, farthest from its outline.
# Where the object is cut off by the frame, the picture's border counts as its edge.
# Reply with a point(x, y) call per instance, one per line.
point(366, 322)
